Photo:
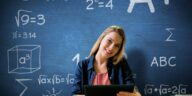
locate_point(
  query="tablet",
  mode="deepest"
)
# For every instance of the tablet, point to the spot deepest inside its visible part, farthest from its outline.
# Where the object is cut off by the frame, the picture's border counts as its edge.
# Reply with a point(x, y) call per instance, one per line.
point(105, 90)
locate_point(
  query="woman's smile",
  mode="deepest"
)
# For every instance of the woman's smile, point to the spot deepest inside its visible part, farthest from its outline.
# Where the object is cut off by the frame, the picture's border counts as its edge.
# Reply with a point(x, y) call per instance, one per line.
point(108, 52)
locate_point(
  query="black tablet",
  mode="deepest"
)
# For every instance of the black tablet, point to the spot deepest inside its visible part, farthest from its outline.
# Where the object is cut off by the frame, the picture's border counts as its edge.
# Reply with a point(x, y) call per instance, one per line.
point(106, 90)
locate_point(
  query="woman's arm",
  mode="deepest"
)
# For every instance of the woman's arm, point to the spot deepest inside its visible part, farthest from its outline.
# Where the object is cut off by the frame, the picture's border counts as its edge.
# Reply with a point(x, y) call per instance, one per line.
point(135, 93)
point(77, 87)
point(128, 80)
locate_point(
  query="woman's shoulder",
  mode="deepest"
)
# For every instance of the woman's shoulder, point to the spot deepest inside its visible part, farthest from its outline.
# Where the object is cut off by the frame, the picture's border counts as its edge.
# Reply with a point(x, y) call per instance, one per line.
point(124, 64)
point(123, 61)
point(84, 61)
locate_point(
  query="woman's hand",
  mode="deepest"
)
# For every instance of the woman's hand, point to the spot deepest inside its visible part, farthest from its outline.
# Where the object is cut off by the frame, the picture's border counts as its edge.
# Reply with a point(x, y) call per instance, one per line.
point(123, 93)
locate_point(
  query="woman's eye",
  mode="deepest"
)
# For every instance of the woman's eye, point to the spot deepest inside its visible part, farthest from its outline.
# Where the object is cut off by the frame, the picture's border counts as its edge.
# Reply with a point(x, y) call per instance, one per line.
point(109, 41)
point(117, 46)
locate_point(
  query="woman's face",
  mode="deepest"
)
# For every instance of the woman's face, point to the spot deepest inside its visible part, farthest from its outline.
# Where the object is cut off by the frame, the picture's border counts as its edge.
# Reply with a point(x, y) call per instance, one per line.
point(110, 45)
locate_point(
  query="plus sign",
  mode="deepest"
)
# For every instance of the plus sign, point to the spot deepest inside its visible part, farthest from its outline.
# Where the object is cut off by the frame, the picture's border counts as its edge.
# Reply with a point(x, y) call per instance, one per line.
point(155, 89)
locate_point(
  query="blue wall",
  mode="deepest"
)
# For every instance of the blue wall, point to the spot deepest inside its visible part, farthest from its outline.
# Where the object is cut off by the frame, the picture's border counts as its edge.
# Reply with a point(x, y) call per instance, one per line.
point(41, 42)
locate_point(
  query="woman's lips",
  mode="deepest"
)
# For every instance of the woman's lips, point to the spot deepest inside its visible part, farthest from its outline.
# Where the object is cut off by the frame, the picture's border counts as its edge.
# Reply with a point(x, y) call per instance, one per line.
point(108, 52)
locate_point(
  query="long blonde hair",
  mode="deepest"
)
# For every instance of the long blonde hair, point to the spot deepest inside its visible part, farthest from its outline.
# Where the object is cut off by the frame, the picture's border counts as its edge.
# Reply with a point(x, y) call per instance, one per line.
point(110, 29)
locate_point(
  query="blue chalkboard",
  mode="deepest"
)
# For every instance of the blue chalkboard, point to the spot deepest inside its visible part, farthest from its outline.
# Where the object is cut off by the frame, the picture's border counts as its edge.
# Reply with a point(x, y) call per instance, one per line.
point(41, 42)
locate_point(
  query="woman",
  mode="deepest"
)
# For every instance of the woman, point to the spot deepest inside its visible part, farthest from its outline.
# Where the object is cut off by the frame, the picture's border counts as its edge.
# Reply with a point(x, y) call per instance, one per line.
point(105, 65)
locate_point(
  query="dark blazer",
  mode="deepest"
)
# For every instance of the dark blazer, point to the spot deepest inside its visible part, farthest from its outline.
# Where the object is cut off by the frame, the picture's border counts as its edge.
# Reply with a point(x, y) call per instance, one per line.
point(85, 73)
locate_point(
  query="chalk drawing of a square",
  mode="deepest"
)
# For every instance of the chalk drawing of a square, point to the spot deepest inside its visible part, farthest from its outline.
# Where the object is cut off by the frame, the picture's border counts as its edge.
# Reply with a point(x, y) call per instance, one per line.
point(24, 59)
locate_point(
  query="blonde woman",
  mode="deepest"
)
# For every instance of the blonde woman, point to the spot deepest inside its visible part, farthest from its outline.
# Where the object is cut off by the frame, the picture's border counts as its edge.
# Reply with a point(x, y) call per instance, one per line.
point(105, 65)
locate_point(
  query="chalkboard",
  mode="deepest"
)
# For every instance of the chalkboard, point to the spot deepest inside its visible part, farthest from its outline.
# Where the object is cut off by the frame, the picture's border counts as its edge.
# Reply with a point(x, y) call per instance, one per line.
point(41, 42)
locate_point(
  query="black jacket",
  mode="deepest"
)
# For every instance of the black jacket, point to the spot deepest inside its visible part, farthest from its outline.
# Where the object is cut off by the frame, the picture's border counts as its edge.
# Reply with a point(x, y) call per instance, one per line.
point(85, 73)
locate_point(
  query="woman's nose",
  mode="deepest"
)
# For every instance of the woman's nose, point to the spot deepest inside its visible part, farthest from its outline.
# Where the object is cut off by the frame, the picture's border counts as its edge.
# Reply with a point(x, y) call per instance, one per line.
point(111, 47)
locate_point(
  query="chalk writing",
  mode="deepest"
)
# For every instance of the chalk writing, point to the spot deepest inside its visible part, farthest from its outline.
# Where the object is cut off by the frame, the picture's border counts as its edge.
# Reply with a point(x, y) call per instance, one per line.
point(24, 17)
point(56, 79)
point(20, 81)
point(169, 39)
point(24, 35)
point(99, 3)
point(164, 89)
point(24, 59)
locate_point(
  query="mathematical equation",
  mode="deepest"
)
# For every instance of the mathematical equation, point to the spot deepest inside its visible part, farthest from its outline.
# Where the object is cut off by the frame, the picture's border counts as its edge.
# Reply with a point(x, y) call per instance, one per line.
point(164, 89)
point(24, 17)
point(52, 92)
point(24, 35)
point(92, 4)
point(100, 4)
point(56, 79)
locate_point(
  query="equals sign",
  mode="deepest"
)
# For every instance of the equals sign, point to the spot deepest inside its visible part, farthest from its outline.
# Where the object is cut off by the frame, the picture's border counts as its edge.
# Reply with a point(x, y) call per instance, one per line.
point(19, 35)
point(62, 80)
point(96, 0)
point(101, 4)
point(33, 20)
